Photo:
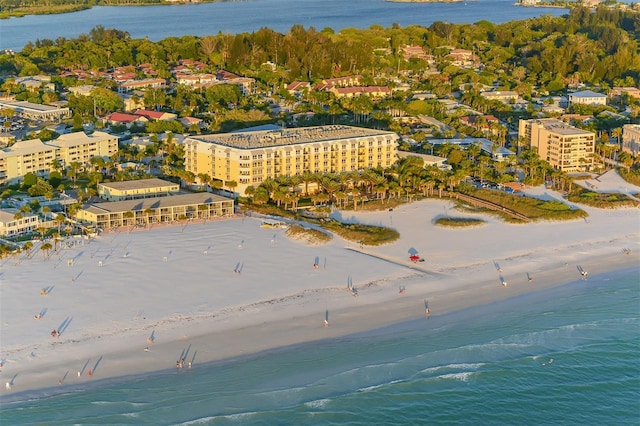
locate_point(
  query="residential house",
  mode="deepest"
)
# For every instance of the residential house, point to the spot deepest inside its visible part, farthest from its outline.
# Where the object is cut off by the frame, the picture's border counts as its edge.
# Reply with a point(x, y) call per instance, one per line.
point(126, 119)
point(587, 97)
point(156, 115)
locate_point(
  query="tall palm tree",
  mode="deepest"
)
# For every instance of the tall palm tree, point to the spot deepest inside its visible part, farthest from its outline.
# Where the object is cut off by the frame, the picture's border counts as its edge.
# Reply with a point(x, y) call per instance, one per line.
point(46, 248)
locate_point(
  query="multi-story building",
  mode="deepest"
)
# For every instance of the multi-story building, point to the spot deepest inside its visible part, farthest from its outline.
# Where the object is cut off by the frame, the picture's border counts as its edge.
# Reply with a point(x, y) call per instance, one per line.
point(250, 157)
point(135, 189)
point(81, 147)
point(563, 146)
point(631, 139)
point(155, 210)
point(35, 156)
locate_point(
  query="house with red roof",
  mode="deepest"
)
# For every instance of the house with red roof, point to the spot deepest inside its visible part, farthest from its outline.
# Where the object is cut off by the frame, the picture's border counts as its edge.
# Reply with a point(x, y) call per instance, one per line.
point(156, 115)
point(126, 119)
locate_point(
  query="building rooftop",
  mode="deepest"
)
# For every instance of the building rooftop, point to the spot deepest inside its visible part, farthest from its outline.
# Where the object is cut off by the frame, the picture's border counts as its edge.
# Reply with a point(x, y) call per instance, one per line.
point(560, 127)
point(155, 203)
point(293, 136)
point(79, 138)
point(588, 94)
point(30, 146)
point(137, 184)
point(27, 106)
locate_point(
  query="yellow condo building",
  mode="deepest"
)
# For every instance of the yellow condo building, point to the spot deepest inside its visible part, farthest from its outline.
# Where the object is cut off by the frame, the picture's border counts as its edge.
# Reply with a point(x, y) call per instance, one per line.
point(563, 146)
point(250, 157)
point(35, 156)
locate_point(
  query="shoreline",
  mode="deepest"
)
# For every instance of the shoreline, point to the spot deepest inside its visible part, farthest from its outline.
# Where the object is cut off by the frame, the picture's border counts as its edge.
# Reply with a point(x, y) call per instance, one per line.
point(234, 344)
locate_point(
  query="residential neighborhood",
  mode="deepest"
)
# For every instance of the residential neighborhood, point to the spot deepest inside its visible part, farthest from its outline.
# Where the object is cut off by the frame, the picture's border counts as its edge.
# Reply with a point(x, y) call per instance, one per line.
point(211, 126)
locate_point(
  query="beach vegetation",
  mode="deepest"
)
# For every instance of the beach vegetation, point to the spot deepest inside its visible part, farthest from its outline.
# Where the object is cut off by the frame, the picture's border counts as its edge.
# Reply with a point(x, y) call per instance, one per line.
point(311, 235)
point(458, 222)
point(601, 200)
point(369, 235)
point(533, 208)
point(631, 175)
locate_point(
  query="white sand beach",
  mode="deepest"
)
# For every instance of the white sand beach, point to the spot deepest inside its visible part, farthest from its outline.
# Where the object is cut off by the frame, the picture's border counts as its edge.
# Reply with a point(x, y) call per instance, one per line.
point(133, 302)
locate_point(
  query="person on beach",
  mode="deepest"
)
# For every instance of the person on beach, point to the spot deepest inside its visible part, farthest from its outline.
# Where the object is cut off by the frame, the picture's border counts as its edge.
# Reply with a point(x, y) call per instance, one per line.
point(38, 316)
point(326, 323)
point(402, 289)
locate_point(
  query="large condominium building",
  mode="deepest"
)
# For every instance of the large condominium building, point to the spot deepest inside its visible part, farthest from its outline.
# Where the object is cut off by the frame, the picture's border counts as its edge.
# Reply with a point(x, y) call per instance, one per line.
point(563, 146)
point(250, 157)
point(35, 156)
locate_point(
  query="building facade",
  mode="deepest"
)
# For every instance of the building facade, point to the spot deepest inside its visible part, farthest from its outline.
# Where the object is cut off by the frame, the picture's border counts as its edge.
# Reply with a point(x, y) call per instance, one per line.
point(631, 139)
point(11, 225)
point(563, 146)
point(248, 158)
point(35, 111)
point(35, 156)
point(587, 97)
point(136, 189)
point(148, 211)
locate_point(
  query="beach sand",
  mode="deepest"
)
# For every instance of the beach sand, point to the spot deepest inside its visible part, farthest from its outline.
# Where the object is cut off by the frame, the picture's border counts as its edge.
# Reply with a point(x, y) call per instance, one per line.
point(133, 303)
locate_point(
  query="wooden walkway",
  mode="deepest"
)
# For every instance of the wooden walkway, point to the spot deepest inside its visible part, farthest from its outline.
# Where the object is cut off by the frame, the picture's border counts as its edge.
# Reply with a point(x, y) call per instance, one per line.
point(486, 204)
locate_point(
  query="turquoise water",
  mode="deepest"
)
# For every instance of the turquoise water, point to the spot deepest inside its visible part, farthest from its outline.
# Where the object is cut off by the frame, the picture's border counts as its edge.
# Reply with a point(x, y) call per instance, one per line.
point(485, 365)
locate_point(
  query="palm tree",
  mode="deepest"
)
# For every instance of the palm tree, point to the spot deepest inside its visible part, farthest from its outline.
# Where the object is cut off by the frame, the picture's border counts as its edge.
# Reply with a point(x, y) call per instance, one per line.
point(46, 247)
point(28, 246)
point(617, 133)
point(74, 168)
point(232, 184)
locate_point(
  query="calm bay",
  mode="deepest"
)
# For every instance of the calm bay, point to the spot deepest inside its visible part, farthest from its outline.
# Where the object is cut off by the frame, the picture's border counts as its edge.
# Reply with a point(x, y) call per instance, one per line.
point(159, 22)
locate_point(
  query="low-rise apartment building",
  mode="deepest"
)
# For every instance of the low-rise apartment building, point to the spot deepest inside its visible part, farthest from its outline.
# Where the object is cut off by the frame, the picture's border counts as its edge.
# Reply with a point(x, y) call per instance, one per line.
point(12, 224)
point(35, 111)
point(148, 211)
point(136, 189)
point(563, 146)
point(250, 157)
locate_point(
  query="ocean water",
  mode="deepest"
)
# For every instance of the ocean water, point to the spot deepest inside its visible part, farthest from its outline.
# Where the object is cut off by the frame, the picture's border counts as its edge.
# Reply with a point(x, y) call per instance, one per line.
point(567, 355)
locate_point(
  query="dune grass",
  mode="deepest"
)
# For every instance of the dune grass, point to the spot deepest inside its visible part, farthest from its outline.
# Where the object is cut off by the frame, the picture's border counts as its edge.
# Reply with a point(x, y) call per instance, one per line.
point(458, 222)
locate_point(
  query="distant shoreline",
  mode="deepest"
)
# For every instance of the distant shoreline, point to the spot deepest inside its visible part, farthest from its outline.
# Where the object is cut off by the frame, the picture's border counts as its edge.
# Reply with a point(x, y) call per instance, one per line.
point(425, 1)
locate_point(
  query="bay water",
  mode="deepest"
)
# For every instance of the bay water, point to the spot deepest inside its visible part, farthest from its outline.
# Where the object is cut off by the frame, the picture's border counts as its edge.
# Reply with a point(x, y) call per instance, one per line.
point(159, 22)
